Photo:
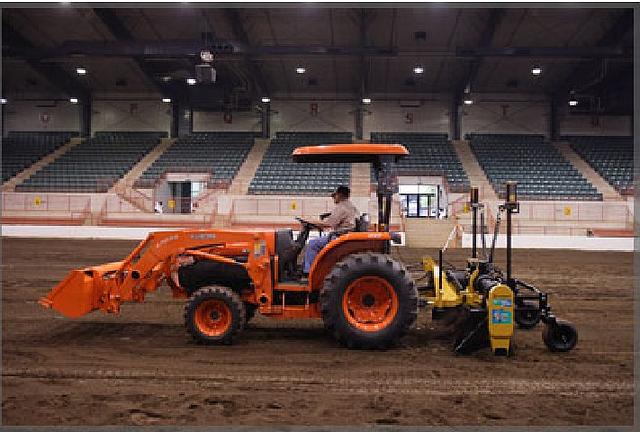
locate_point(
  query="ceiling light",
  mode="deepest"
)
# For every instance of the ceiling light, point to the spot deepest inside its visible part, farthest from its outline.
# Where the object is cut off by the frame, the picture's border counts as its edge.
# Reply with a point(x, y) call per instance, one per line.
point(166, 100)
point(81, 71)
point(468, 101)
point(166, 78)
point(366, 101)
point(537, 70)
point(265, 100)
point(3, 101)
point(573, 102)
point(73, 100)
point(300, 70)
point(418, 70)
point(191, 81)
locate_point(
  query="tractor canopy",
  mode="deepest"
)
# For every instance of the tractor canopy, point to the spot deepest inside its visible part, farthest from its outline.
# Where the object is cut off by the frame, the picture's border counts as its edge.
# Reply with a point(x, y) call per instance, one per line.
point(349, 153)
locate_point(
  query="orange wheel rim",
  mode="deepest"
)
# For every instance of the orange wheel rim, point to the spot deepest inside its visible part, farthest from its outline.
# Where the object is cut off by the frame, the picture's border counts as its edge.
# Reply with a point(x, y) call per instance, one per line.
point(370, 303)
point(213, 317)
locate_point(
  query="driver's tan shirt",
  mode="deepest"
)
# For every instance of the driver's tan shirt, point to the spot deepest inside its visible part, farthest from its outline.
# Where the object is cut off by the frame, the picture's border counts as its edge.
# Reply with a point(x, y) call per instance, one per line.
point(343, 216)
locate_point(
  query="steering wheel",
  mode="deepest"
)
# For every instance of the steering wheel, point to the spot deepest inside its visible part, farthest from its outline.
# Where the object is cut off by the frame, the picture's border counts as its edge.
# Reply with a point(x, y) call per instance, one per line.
point(312, 225)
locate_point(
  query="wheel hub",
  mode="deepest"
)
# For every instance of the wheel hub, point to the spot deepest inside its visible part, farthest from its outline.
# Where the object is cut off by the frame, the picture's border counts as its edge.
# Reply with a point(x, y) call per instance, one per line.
point(213, 317)
point(370, 303)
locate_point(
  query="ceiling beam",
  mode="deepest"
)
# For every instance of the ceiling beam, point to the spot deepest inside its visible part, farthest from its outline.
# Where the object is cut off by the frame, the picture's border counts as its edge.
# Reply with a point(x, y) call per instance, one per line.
point(233, 50)
point(486, 37)
point(118, 29)
point(587, 73)
point(52, 72)
point(239, 33)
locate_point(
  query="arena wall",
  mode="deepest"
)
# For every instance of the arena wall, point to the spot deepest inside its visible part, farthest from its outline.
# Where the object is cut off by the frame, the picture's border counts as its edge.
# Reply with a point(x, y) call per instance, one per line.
point(130, 116)
point(490, 113)
point(41, 115)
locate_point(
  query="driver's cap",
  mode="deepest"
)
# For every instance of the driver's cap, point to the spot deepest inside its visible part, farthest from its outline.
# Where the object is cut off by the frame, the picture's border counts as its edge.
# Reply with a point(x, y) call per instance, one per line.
point(342, 190)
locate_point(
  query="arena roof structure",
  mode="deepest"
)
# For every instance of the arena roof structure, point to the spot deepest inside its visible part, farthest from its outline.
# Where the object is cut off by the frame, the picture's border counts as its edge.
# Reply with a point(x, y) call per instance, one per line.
point(309, 49)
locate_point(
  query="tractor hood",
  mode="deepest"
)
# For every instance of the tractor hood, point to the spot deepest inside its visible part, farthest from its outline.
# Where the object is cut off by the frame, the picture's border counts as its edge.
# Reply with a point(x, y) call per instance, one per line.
point(349, 153)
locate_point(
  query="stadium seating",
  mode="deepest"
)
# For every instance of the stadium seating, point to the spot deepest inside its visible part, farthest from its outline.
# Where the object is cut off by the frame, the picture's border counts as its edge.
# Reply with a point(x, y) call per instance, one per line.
point(220, 153)
point(430, 153)
point(95, 165)
point(541, 172)
point(611, 157)
point(22, 149)
point(279, 175)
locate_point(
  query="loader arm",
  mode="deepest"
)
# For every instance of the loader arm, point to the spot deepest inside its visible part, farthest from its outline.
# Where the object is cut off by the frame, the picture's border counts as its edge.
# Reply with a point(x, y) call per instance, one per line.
point(106, 286)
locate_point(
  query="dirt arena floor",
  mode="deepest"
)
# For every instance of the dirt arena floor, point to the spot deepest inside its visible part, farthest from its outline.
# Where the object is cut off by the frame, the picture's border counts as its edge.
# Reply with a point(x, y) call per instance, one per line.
point(141, 368)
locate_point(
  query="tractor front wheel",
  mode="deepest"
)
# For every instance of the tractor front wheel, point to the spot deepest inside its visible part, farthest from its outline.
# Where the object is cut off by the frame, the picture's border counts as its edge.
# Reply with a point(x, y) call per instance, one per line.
point(368, 301)
point(214, 315)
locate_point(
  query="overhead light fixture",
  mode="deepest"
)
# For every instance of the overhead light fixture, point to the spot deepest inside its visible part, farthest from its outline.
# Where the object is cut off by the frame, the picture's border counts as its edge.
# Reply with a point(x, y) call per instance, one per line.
point(265, 100)
point(166, 78)
point(366, 101)
point(166, 100)
point(73, 100)
point(536, 70)
point(468, 101)
point(81, 71)
point(418, 70)
point(3, 101)
point(191, 81)
point(573, 102)
point(300, 70)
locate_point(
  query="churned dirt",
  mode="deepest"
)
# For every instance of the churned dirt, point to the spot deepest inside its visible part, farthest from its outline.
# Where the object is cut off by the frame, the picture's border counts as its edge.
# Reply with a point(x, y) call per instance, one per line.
point(141, 368)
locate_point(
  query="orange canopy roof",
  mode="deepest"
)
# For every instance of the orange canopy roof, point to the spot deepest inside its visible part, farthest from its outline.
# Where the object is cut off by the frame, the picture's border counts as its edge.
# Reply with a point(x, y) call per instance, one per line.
point(348, 152)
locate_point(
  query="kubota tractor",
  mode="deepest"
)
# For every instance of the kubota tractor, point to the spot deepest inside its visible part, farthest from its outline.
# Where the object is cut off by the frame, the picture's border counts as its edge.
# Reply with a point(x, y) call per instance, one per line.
point(366, 298)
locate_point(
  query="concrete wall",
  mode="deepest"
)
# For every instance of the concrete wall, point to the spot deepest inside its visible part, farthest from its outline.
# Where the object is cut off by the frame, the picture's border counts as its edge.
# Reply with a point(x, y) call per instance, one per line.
point(297, 116)
point(130, 116)
point(506, 116)
point(519, 241)
point(42, 116)
point(598, 125)
point(204, 121)
point(390, 116)
point(491, 113)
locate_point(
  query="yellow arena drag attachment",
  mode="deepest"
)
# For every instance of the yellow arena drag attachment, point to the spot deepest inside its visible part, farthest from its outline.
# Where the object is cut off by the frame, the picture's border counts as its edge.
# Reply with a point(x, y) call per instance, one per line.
point(491, 302)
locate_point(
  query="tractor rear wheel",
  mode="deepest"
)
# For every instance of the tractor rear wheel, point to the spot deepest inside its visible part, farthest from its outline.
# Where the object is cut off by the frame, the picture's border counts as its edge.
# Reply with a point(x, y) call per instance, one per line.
point(368, 301)
point(214, 315)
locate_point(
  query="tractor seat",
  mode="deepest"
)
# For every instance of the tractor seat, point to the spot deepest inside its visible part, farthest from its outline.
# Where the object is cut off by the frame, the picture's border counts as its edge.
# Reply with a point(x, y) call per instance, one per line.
point(362, 223)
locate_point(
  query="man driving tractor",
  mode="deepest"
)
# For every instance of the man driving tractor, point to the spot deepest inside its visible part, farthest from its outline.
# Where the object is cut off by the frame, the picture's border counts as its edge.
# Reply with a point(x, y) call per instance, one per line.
point(340, 220)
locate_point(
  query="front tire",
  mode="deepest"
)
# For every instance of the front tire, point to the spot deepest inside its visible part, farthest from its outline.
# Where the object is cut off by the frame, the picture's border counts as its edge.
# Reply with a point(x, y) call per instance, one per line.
point(368, 301)
point(214, 315)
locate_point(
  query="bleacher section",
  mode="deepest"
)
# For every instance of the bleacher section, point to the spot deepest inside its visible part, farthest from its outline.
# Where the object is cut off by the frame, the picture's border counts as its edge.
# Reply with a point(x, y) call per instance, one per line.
point(22, 149)
point(611, 157)
point(95, 165)
point(220, 153)
point(541, 172)
point(279, 175)
point(429, 154)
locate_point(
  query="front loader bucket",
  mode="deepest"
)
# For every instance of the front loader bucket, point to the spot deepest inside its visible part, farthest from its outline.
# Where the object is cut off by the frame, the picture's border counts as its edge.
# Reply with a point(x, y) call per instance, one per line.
point(81, 292)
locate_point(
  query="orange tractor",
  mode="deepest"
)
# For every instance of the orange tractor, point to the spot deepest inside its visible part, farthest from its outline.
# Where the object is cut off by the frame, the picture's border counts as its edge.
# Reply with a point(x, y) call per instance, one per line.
point(366, 298)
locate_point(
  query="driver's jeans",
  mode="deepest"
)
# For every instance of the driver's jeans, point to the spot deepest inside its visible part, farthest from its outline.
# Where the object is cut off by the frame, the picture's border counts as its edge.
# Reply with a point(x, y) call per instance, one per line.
point(315, 245)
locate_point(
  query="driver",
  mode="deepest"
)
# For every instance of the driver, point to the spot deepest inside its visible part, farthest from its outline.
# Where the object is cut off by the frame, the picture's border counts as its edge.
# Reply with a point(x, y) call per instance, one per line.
point(342, 218)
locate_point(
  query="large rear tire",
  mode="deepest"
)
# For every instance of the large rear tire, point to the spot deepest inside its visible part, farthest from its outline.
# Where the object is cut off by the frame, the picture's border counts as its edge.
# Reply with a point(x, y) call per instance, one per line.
point(368, 301)
point(214, 315)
